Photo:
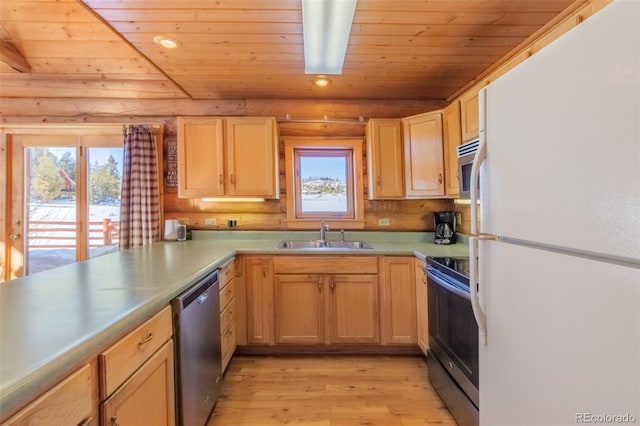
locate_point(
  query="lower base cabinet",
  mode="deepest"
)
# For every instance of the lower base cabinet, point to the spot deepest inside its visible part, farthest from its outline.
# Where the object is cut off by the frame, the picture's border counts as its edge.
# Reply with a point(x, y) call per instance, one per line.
point(421, 306)
point(319, 309)
point(147, 397)
point(67, 403)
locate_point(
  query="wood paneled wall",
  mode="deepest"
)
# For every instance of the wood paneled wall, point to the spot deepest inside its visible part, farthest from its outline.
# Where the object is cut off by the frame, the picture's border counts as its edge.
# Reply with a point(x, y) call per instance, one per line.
point(403, 215)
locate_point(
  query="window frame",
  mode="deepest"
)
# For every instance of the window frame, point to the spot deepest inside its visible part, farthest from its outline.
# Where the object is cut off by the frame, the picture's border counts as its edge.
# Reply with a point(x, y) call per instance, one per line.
point(349, 148)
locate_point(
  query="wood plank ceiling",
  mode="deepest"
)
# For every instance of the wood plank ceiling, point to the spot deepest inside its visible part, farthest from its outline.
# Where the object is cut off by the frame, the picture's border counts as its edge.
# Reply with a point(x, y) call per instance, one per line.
point(238, 49)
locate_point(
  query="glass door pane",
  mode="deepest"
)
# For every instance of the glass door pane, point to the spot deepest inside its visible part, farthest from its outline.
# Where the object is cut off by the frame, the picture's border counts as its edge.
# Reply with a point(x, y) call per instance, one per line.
point(105, 178)
point(50, 198)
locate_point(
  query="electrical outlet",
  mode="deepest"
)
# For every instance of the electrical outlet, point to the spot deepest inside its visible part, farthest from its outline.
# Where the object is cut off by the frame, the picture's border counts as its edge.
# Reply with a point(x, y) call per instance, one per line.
point(210, 221)
point(458, 218)
point(384, 222)
point(183, 220)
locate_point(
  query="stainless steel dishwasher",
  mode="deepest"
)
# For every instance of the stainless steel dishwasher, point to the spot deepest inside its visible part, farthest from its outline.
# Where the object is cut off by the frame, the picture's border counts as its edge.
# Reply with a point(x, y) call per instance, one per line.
point(196, 324)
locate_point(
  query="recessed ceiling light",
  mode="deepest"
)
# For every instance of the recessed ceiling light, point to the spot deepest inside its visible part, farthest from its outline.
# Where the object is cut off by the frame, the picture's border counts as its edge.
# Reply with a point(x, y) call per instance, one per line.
point(322, 81)
point(168, 42)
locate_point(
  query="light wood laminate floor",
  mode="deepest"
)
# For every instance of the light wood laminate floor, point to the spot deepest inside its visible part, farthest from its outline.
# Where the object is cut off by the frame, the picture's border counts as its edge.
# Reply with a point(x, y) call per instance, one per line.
point(333, 390)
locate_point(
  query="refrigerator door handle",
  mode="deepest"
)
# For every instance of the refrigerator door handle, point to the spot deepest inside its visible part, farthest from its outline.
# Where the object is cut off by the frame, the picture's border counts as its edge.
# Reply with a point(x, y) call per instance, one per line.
point(478, 313)
point(479, 158)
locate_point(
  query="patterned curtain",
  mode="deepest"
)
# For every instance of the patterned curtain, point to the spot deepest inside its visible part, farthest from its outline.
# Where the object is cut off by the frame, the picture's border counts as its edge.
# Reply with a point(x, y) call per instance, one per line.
point(140, 202)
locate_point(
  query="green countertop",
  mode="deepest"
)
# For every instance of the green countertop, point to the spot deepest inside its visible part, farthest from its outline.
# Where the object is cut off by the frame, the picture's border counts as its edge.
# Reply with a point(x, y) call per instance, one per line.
point(52, 321)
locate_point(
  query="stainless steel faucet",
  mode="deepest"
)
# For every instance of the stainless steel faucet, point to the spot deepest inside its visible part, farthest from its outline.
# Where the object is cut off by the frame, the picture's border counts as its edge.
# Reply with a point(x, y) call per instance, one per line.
point(323, 230)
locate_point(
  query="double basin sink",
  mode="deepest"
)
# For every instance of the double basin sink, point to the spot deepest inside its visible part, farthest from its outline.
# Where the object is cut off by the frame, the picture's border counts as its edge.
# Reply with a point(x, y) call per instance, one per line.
point(322, 244)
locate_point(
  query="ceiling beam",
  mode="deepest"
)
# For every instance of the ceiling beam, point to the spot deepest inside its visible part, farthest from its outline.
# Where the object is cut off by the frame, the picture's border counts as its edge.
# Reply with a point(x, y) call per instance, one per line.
point(11, 56)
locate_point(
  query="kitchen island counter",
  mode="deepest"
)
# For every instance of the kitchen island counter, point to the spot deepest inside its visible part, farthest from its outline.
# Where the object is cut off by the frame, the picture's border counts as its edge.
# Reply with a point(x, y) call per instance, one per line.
point(53, 321)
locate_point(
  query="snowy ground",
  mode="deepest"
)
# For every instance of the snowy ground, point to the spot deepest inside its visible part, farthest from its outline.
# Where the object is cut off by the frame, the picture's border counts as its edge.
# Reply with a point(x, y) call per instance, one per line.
point(41, 259)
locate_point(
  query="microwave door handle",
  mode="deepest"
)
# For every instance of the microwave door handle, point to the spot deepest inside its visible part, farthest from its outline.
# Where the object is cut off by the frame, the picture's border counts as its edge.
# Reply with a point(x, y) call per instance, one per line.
point(474, 281)
point(479, 158)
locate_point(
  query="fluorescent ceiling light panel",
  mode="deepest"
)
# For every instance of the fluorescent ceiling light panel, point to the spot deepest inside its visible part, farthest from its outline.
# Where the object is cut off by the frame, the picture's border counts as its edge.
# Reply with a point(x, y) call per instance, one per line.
point(326, 27)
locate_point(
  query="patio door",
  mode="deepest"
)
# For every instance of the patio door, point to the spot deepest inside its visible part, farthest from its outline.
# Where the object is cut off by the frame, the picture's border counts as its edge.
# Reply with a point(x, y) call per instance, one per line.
point(65, 199)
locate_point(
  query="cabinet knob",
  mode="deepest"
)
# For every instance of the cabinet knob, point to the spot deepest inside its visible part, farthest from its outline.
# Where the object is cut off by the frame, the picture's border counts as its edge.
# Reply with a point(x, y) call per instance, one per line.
point(15, 236)
point(440, 178)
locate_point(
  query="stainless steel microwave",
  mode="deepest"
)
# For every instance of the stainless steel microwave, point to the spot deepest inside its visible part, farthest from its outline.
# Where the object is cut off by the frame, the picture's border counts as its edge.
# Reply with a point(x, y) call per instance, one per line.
point(466, 154)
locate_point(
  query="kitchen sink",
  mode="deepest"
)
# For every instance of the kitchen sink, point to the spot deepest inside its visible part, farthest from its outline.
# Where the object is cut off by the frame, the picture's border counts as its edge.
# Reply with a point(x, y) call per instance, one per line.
point(319, 244)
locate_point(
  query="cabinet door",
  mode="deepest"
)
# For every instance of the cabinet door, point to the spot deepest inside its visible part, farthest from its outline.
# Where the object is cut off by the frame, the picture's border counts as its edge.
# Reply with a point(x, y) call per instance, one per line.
point(252, 155)
point(470, 116)
point(452, 139)
point(67, 403)
point(299, 309)
point(353, 309)
point(384, 159)
point(399, 303)
point(259, 286)
point(147, 397)
point(424, 169)
point(200, 157)
point(421, 306)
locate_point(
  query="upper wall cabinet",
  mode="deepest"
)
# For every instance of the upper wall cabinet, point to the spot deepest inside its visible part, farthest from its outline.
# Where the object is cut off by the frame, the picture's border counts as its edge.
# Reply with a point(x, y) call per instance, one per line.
point(385, 169)
point(470, 116)
point(227, 157)
point(424, 165)
point(452, 138)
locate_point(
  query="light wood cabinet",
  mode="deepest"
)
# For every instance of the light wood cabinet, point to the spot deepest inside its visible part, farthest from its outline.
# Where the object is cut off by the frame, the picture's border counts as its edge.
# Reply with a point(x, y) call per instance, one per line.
point(353, 309)
point(422, 306)
point(67, 403)
point(137, 376)
point(317, 309)
point(258, 271)
point(452, 139)
point(470, 116)
point(227, 157)
point(399, 306)
point(227, 312)
point(385, 161)
point(299, 309)
point(147, 397)
point(313, 306)
point(423, 158)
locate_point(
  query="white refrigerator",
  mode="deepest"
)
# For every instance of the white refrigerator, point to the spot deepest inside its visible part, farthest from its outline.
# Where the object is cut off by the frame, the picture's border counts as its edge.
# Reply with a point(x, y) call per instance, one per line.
point(556, 258)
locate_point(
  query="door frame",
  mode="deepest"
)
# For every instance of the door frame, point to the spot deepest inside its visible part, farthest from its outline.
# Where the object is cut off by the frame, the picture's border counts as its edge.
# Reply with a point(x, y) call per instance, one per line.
point(8, 176)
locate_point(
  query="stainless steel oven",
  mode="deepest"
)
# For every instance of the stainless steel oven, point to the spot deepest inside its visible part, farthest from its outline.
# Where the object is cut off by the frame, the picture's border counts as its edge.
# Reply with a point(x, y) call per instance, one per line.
point(453, 338)
point(466, 154)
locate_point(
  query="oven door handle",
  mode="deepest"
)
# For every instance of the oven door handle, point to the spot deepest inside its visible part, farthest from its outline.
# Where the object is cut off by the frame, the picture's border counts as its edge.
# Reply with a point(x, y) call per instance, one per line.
point(450, 288)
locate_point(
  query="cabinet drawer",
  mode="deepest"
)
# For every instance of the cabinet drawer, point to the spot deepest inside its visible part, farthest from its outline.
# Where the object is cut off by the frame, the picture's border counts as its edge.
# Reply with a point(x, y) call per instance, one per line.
point(226, 294)
point(228, 344)
point(67, 403)
point(325, 265)
point(226, 273)
point(123, 358)
point(227, 316)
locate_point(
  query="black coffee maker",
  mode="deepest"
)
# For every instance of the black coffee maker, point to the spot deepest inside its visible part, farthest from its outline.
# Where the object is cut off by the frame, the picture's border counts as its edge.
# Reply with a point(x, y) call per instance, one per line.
point(445, 226)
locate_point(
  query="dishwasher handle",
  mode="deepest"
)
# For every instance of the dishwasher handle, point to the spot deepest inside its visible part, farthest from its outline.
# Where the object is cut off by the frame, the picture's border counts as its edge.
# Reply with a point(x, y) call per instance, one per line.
point(197, 293)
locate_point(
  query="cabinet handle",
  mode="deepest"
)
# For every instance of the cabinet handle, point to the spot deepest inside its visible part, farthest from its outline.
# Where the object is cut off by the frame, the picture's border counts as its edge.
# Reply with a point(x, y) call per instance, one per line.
point(232, 180)
point(440, 178)
point(424, 279)
point(378, 181)
point(114, 421)
point(220, 180)
point(87, 420)
point(264, 272)
point(333, 284)
point(146, 339)
point(319, 287)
